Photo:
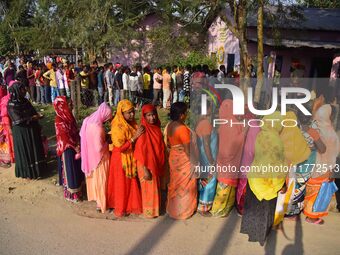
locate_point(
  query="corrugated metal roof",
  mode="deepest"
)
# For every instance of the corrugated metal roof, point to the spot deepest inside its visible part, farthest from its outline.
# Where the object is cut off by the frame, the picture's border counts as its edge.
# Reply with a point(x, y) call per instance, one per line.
point(299, 43)
point(313, 19)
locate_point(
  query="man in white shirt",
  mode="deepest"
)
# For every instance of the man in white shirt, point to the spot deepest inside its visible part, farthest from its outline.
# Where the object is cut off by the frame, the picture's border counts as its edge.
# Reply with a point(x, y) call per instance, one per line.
point(109, 79)
point(174, 84)
point(140, 80)
point(125, 79)
point(134, 85)
point(157, 86)
point(62, 81)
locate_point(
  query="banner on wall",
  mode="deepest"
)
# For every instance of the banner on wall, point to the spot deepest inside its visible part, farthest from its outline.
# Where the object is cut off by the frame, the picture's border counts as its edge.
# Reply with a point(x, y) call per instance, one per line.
point(222, 34)
point(220, 55)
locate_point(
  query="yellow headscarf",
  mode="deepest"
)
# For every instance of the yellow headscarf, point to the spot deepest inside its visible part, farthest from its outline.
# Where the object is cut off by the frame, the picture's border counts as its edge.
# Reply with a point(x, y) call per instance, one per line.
point(269, 151)
point(296, 147)
point(122, 131)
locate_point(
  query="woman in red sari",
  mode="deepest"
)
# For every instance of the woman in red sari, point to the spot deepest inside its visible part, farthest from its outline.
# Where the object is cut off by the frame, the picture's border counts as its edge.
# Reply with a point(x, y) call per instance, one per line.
point(150, 156)
point(68, 146)
point(123, 189)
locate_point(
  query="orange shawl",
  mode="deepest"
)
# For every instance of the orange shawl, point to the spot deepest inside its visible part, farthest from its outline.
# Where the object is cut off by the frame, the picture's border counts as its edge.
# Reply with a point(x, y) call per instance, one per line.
point(150, 147)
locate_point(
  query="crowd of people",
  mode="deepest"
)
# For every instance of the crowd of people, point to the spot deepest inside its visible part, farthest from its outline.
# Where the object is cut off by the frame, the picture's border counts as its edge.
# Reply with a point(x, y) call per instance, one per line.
point(108, 82)
point(126, 169)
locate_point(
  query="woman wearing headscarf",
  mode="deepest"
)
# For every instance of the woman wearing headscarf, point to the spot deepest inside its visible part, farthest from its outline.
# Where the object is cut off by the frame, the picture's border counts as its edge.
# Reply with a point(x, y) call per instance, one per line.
point(182, 188)
point(300, 150)
point(310, 132)
point(263, 186)
point(247, 159)
point(295, 147)
point(28, 146)
point(6, 137)
point(123, 187)
point(150, 155)
point(231, 140)
point(207, 142)
point(68, 146)
point(296, 151)
point(95, 155)
point(328, 158)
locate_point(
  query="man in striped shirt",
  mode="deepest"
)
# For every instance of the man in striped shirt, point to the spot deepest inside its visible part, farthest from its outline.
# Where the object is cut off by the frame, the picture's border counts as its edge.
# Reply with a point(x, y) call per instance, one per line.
point(186, 83)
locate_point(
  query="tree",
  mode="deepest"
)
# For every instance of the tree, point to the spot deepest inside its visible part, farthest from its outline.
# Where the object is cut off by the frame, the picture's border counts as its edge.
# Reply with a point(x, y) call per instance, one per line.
point(259, 82)
point(15, 17)
point(320, 3)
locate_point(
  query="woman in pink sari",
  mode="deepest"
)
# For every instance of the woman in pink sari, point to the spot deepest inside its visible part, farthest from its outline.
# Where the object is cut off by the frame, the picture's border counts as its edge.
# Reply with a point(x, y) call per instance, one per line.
point(6, 138)
point(247, 160)
point(95, 155)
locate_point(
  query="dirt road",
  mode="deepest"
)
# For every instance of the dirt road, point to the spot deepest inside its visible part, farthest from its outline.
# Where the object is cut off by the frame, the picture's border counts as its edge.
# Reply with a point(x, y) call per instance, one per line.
point(35, 219)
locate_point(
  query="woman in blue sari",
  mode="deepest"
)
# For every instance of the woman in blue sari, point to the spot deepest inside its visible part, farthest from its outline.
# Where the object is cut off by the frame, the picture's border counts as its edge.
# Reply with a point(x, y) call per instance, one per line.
point(207, 142)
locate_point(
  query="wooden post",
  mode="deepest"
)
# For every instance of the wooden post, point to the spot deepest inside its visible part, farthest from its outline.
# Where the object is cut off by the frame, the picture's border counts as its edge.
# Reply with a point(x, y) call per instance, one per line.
point(74, 98)
point(78, 93)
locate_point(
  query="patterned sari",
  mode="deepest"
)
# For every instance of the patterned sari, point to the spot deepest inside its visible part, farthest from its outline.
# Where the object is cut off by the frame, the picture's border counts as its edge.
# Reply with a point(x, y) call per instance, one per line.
point(231, 140)
point(68, 139)
point(296, 151)
point(182, 188)
point(330, 139)
point(207, 186)
point(303, 172)
point(6, 138)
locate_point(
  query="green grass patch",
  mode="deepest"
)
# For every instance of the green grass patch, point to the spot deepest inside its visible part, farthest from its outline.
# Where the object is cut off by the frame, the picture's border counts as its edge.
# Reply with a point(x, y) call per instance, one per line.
point(47, 122)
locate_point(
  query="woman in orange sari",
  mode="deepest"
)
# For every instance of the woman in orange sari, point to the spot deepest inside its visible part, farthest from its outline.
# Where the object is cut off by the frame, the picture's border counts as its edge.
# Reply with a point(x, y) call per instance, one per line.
point(123, 190)
point(150, 156)
point(182, 189)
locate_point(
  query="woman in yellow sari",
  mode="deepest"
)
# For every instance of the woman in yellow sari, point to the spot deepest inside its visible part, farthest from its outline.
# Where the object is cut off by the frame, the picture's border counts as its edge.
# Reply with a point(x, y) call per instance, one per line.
point(182, 189)
point(124, 193)
point(263, 187)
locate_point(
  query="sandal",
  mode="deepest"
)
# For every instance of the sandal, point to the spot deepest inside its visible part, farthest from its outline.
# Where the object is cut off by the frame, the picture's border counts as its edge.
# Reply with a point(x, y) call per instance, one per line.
point(317, 222)
point(5, 165)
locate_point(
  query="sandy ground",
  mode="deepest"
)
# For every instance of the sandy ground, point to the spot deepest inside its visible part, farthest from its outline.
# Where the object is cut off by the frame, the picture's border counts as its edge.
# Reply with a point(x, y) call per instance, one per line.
point(35, 219)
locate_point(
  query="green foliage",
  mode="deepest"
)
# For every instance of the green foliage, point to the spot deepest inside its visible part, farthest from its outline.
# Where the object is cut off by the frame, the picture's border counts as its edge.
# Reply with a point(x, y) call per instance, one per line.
point(196, 58)
point(15, 17)
point(320, 3)
point(96, 25)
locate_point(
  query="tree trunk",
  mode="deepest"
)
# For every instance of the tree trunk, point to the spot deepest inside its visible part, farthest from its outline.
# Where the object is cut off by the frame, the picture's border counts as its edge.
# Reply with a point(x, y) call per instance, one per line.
point(242, 29)
point(92, 54)
point(17, 47)
point(259, 82)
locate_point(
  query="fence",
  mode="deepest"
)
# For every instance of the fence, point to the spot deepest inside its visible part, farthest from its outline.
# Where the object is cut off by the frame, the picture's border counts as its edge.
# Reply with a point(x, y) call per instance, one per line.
point(82, 98)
